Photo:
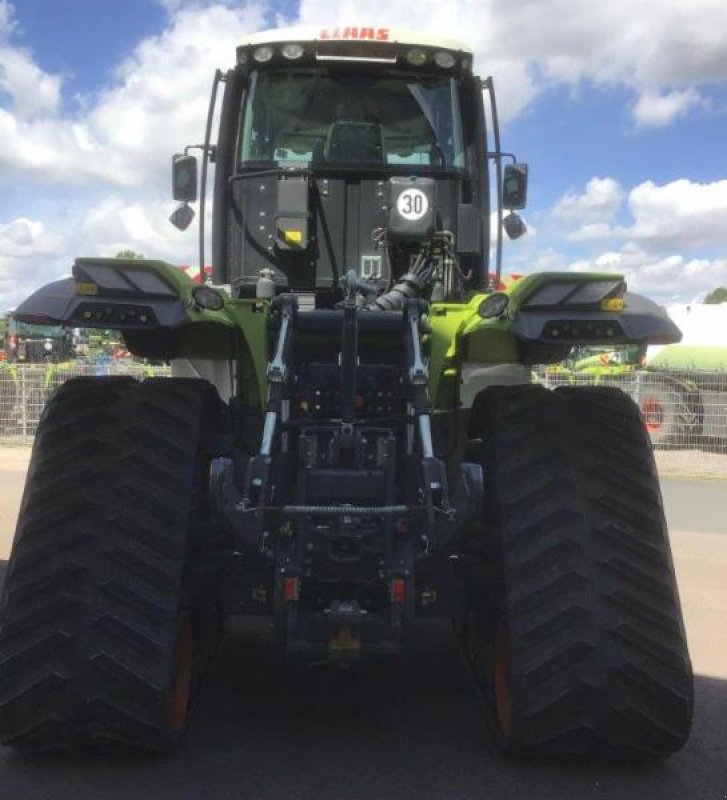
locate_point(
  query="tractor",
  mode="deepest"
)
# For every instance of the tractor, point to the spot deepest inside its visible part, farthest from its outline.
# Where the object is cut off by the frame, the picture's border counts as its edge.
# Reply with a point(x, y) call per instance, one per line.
point(33, 344)
point(350, 440)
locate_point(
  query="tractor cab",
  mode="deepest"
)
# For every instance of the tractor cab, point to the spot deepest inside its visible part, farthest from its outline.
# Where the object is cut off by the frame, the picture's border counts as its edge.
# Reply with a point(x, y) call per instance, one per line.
point(357, 149)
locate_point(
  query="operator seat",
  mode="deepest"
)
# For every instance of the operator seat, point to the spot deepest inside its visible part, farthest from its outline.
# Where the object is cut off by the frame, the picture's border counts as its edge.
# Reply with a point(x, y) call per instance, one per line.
point(355, 140)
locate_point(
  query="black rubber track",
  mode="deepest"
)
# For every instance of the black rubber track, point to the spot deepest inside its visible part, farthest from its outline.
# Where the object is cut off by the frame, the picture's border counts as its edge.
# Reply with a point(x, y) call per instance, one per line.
point(96, 584)
point(585, 586)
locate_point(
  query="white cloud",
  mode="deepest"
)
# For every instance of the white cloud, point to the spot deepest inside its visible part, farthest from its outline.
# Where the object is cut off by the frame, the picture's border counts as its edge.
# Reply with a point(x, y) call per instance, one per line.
point(7, 23)
point(26, 238)
point(28, 256)
point(671, 277)
point(155, 105)
point(598, 203)
point(115, 224)
point(32, 92)
point(33, 253)
point(679, 215)
point(548, 260)
point(591, 232)
point(668, 222)
point(654, 109)
point(592, 210)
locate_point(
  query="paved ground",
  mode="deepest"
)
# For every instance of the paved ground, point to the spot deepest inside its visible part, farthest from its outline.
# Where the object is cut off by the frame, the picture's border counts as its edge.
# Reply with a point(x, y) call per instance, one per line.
point(695, 505)
point(408, 729)
point(705, 461)
point(401, 729)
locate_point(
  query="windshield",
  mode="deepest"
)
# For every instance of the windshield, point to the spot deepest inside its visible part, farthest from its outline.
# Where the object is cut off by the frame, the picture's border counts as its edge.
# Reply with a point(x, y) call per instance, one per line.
point(322, 116)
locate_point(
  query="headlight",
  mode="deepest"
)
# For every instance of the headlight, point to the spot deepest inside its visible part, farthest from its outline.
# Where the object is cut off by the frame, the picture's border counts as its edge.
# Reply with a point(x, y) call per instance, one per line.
point(48, 346)
point(292, 51)
point(444, 60)
point(416, 57)
point(493, 306)
point(207, 297)
point(263, 54)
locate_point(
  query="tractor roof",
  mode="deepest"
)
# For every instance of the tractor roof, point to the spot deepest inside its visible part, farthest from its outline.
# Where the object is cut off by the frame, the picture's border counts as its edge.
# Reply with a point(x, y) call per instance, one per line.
point(357, 33)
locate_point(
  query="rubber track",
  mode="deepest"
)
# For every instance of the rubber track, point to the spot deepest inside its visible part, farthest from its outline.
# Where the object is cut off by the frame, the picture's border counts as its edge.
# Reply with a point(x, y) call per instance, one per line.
point(89, 609)
point(599, 662)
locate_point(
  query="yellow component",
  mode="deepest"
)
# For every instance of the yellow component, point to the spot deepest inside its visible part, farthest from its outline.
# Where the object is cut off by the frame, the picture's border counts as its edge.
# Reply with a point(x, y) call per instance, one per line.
point(344, 641)
point(86, 288)
point(293, 237)
point(613, 304)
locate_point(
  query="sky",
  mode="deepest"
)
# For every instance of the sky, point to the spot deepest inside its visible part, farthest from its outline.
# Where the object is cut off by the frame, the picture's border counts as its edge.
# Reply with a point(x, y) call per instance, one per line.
point(619, 108)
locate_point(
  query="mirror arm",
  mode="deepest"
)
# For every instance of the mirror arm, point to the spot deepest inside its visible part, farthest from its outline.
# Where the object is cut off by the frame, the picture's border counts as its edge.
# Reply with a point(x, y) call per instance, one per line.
point(219, 78)
point(208, 152)
point(503, 155)
point(497, 156)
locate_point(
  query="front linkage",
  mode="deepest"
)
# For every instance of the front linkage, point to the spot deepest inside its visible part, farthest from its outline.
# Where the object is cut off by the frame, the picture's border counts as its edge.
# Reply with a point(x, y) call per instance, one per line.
point(346, 494)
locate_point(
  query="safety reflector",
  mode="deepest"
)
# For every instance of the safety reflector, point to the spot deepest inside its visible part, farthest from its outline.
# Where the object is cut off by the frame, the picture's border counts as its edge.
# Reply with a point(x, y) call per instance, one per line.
point(398, 590)
point(290, 589)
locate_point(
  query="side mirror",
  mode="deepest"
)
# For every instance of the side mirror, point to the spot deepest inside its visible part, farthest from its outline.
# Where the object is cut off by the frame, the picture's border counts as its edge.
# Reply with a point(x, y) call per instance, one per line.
point(184, 178)
point(515, 186)
point(182, 217)
point(514, 226)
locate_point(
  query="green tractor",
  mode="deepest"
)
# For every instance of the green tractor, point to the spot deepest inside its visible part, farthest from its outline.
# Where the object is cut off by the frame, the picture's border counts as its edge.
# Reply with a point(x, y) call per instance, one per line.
point(36, 344)
point(350, 440)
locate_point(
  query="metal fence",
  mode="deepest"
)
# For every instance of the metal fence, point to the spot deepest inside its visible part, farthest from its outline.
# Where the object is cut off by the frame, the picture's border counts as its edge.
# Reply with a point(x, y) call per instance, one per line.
point(25, 388)
point(684, 412)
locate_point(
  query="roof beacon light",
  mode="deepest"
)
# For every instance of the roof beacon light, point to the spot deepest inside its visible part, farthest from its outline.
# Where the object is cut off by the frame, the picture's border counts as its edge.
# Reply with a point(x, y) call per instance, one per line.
point(416, 57)
point(444, 59)
point(292, 51)
point(263, 54)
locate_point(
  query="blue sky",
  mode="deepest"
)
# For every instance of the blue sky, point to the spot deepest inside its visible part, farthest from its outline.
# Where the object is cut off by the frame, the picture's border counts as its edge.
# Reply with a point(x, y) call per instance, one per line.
point(84, 39)
point(619, 108)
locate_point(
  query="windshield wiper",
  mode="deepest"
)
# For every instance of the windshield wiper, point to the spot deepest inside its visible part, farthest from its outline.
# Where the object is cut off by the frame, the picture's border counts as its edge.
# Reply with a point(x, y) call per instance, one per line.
point(264, 173)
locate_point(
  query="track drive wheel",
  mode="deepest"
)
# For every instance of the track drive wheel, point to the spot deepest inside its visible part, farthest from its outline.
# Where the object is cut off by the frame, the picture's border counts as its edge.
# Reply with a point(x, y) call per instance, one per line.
point(578, 644)
point(105, 627)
